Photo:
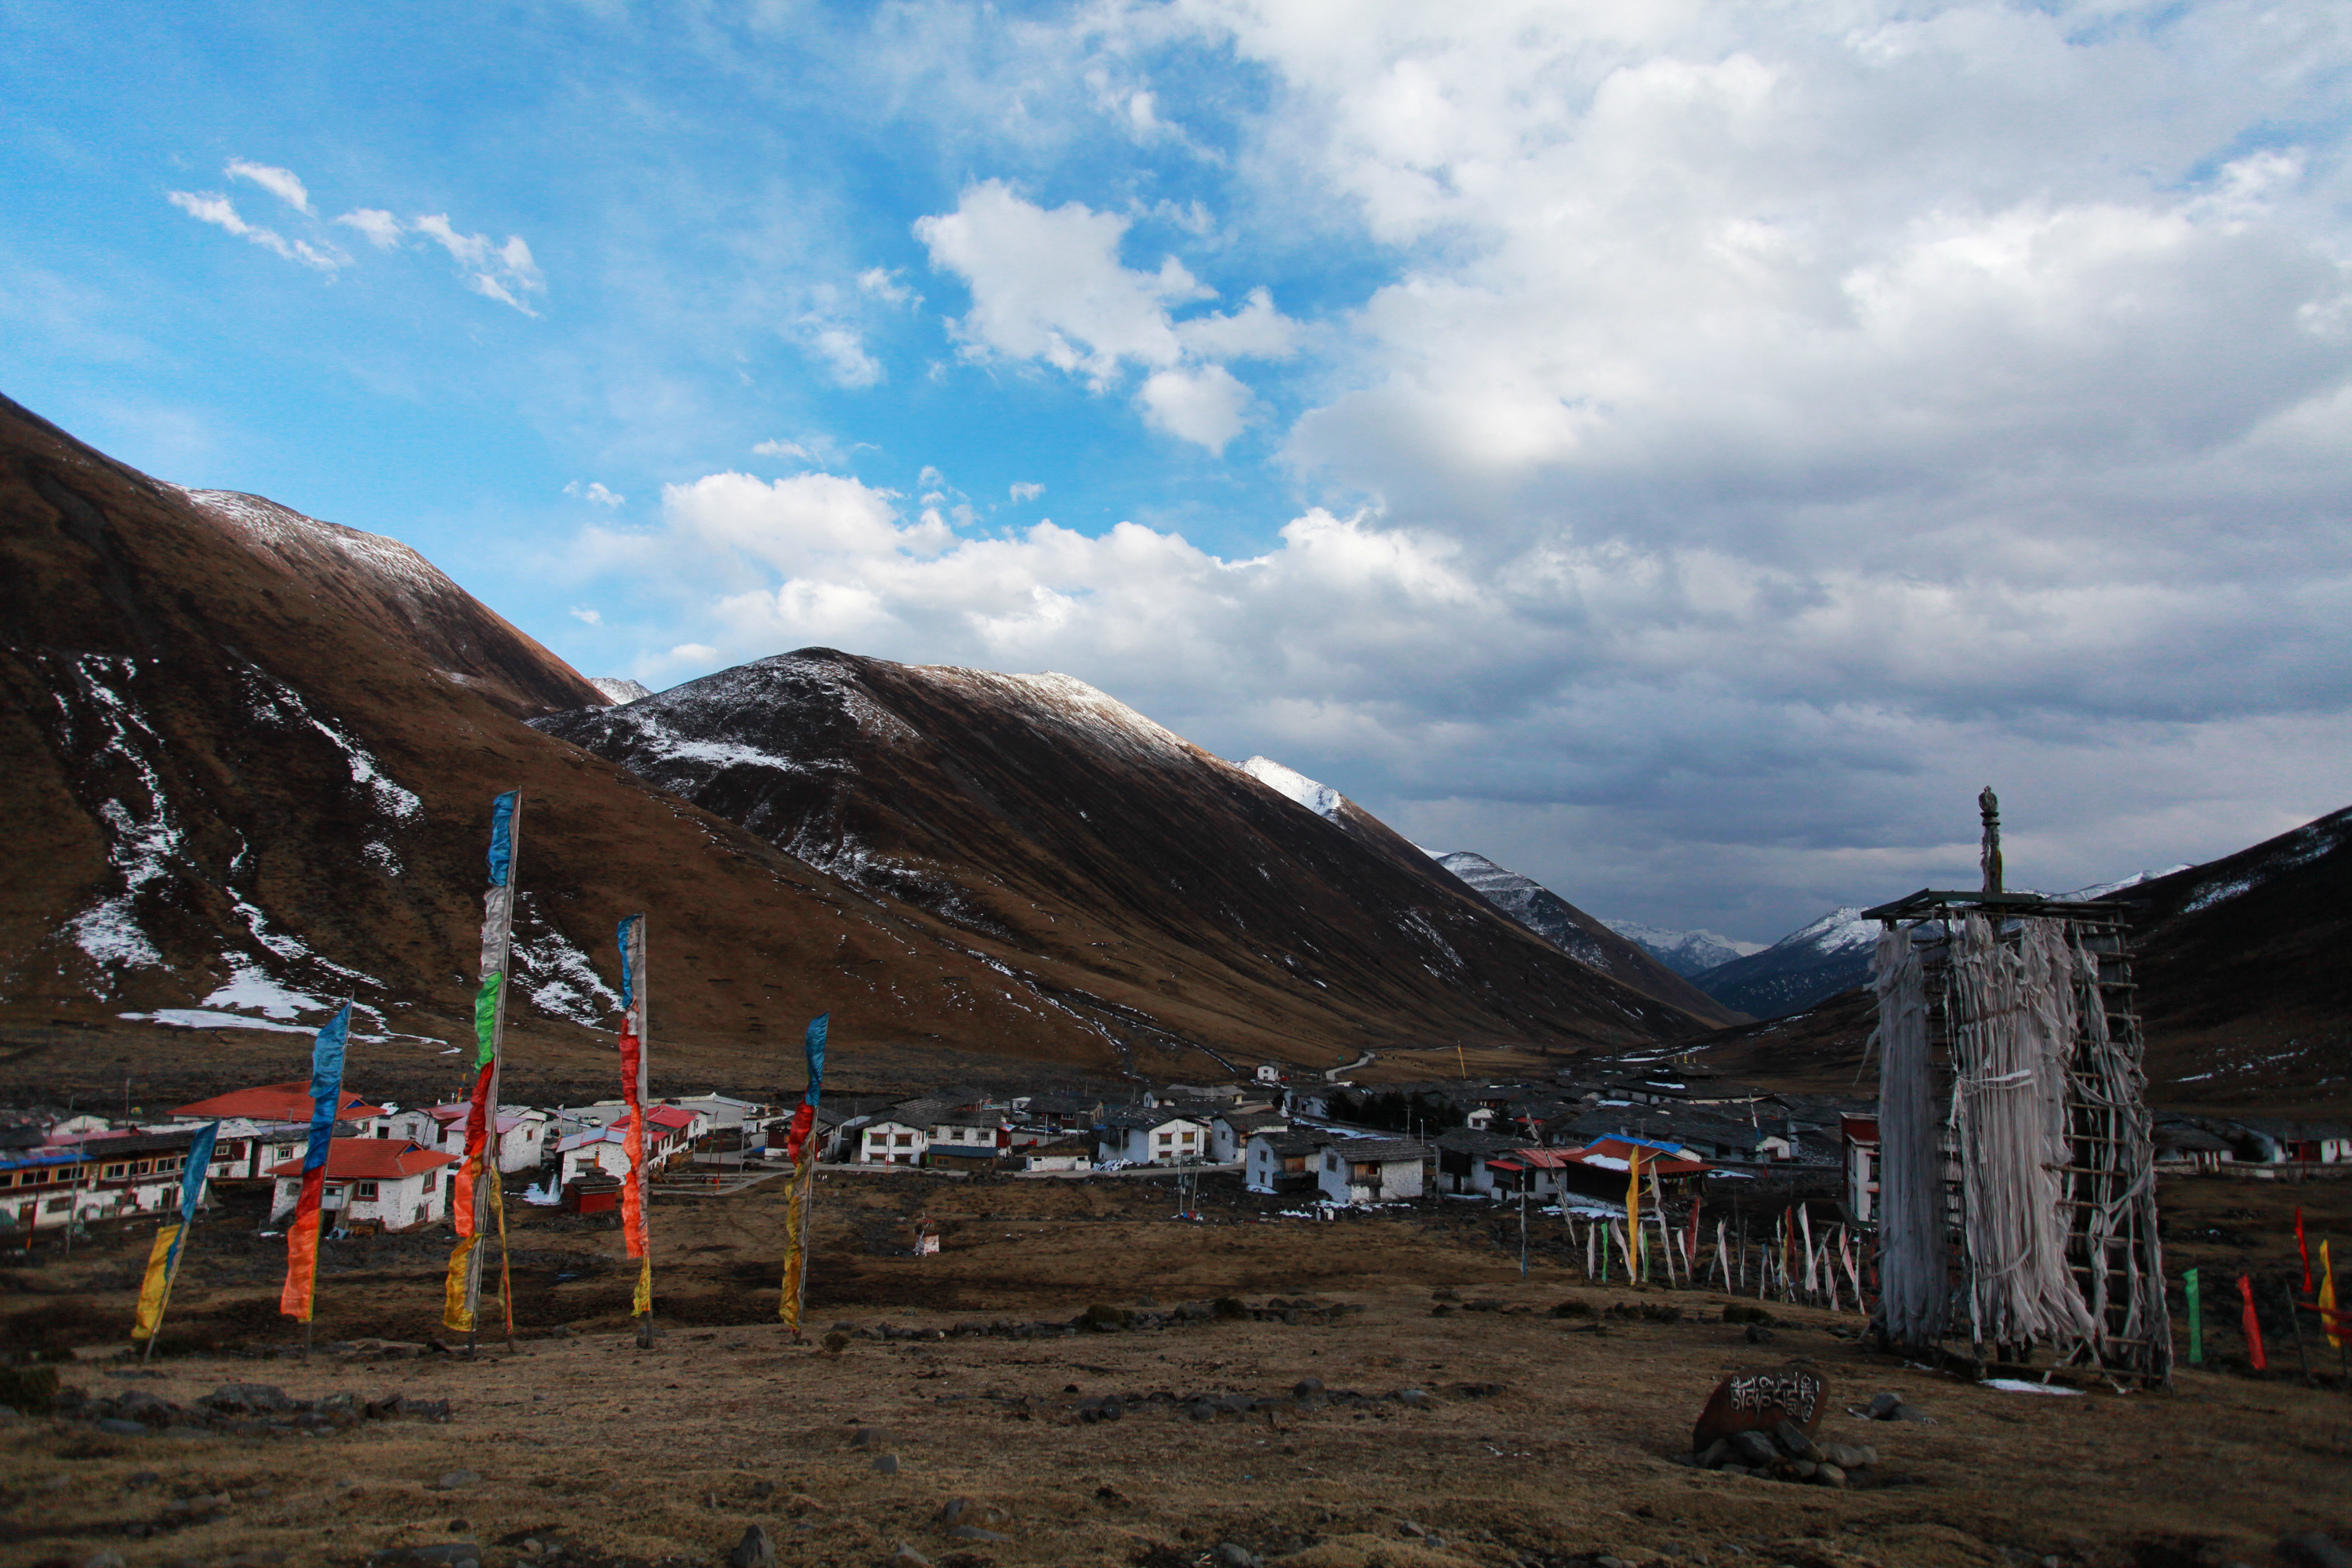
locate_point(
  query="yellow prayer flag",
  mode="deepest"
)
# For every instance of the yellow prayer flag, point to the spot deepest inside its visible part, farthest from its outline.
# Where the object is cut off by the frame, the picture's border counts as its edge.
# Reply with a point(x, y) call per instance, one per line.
point(157, 1285)
point(457, 1315)
point(2328, 1298)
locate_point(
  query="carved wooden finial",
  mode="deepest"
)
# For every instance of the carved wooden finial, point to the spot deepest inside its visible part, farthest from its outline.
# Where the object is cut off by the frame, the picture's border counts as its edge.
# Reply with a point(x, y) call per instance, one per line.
point(1988, 807)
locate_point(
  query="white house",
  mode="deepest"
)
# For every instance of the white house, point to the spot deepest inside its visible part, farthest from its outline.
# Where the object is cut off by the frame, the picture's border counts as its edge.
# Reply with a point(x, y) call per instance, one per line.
point(1230, 1130)
point(1074, 1154)
point(1373, 1169)
point(1144, 1136)
point(966, 1135)
point(112, 1176)
point(669, 1138)
point(393, 1183)
point(1276, 1160)
point(886, 1141)
point(522, 1134)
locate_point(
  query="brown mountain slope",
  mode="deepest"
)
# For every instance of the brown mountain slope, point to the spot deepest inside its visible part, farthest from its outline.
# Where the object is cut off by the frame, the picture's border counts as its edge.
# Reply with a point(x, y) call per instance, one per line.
point(2244, 966)
point(248, 758)
point(1112, 859)
point(233, 778)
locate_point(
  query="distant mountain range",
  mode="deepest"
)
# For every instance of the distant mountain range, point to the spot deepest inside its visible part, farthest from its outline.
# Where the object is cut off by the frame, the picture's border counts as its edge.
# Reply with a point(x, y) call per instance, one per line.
point(1686, 952)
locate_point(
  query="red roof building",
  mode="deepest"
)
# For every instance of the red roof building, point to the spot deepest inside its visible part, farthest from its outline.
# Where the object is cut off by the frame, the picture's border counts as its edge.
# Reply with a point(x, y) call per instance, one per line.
point(388, 1184)
point(275, 1102)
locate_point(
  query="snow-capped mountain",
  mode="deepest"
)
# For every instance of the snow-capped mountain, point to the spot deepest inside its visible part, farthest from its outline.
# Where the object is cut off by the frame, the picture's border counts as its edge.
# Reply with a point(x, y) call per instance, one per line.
point(1588, 941)
point(1164, 896)
point(619, 689)
point(1320, 798)
point(1686, 952)
point(1813, 961)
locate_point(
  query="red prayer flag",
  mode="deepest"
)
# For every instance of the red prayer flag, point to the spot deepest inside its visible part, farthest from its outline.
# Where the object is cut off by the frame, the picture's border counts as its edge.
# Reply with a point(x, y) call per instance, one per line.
point(2302, 1247)
point(2252, 1325)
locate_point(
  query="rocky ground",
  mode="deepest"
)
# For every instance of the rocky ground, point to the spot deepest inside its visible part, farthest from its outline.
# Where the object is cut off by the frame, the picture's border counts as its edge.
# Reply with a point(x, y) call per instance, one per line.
point(1457, 1420)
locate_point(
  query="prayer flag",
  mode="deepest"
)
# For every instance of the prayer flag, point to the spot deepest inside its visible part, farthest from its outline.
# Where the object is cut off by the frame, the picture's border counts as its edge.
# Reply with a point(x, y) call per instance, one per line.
point(2196, 1320)
point(799, 1148)
point(1635, 1270)
point(295, 1300)
point(477, 1174)
point(2327, 1314)
point(2252, 1325)
point(2304, 1248)
point(635, 1183)
point(163, 1260)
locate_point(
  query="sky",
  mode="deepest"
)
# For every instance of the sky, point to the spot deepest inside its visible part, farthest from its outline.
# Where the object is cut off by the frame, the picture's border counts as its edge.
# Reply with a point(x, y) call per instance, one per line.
point(1680, 452)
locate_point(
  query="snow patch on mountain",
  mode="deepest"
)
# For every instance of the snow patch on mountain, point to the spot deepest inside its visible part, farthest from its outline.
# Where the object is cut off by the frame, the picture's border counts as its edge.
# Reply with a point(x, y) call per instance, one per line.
point(1841, 931)
point(620, 689)
point(265, 522)
point(2101, 889)
point(1320, 798)
point(101, 722)
point(1686, 952)
point(557, 976)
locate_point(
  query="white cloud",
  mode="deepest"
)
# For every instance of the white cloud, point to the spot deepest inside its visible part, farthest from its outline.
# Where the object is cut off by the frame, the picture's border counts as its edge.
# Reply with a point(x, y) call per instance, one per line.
point(883, 284)
point(593, 617)
point(783, 449)
point(504, 272)
point(1206, 406)
point(212, 208)
point(279, 183)
point(594, 492)
point(1049, 285)
point(844, 354)
point(1026, 492)
point(383, 229)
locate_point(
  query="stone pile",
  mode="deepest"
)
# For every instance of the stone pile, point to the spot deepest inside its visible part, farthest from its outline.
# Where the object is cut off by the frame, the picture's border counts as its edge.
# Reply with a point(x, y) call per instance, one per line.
point(1788, 1453)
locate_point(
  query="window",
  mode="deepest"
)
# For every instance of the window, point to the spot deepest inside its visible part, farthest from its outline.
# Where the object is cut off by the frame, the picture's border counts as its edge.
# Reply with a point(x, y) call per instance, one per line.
point(55, 1205)
point(878, 1138)
point(113, 1171)
point(365, 1190)
point(904, 1140)
point(143, 1168)
point(1166, 1139)
point(166, 1167)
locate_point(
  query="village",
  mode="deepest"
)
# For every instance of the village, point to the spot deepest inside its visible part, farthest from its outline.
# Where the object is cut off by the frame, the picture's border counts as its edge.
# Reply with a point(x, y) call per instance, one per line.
point(1697, 1144)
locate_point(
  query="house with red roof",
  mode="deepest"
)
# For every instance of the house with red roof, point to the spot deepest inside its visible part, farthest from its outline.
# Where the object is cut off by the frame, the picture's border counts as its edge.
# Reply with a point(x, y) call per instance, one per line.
point(670, 1131)
point(265, 1126)
point(395, 1183)
point(522, 1133)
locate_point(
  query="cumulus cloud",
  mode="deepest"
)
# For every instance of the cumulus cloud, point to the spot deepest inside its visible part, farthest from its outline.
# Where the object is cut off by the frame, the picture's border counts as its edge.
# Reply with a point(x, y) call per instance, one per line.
point(502, 272)
point(583, 613)
point(212, 208)
point(595, 492)
point(1026, 492)
point(280, 183)
point(1048, 285)
point(843, 353)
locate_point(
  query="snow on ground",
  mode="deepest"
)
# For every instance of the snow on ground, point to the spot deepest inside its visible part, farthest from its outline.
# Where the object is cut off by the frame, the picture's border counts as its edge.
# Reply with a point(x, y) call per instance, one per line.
point(618, 689)
point(1320, 798)
point(555, 974)
point(142, 837)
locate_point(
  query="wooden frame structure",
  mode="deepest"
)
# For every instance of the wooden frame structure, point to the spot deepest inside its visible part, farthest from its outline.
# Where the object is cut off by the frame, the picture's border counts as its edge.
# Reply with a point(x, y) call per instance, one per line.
point(2104, 1233)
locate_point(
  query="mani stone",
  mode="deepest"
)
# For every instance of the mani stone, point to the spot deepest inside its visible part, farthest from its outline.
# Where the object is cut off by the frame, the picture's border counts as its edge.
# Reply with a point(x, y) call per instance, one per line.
point(1759, 1401)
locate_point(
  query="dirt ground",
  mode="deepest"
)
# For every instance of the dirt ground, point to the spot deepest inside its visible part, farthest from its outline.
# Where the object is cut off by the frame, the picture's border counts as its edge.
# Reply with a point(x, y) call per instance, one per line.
point(1544, 1441)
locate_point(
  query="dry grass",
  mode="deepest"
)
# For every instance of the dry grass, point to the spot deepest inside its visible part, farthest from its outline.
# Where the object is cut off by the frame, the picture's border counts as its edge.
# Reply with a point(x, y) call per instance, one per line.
point(670, 1453)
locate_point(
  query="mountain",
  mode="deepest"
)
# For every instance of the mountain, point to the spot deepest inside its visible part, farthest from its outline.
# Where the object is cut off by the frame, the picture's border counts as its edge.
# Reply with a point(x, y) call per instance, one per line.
point(246, 760)
point(1810, 963)
point(619, 689)
point(2244, 993)
point(1686, 952)
point(1170, 898)
point(1588, 941)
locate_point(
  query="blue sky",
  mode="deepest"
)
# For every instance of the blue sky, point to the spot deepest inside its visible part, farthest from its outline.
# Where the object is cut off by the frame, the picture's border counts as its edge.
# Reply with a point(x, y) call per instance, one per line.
point(1678, 452)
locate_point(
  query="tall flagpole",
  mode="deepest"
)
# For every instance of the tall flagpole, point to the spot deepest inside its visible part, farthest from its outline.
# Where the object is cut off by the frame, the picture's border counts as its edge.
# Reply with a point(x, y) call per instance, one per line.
point(479, 1190)
point(298, 1295)
point(637, 1184)
point(799, 1148)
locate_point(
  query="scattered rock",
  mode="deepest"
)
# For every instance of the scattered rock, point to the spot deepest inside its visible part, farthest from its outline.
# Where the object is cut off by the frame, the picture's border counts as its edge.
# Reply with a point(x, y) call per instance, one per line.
point(115, 1426)
point(1882, 1407)
point(763, 1489)
point(457, 1481)
point(870, 1437)
point(911, 1557)
point(1850, 1456)
point(754, 1551)
point(247, 1399)
point(1757, 1334)
point(1572, 1309)
point(455, 1553)
point(1752, 1448)
point(1415, 1398)
point(104, 1560)
point(1305, 1387)
point(887, 1465)
point(1231, 1555)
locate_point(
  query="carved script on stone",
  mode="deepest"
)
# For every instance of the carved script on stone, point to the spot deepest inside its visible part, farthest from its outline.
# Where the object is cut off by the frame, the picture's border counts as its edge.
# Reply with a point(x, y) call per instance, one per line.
point(1798, 1393)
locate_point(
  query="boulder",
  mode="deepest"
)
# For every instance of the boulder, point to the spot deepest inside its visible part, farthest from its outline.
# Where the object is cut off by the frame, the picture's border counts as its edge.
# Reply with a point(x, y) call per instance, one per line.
point(754, 1551)
point(1759, 1401)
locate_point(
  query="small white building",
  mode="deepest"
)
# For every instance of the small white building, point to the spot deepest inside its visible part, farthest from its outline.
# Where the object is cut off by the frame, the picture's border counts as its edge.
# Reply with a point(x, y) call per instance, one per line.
point(1230, 1130)
point(1373, 1169)
point(885, 1141)
point(1276, 1160)
point(1070, 1155)
point(393, 1183)
point(1144, 1136)
point(522, 1134)
point(670, 1131)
